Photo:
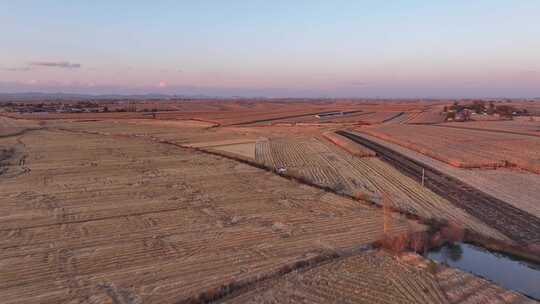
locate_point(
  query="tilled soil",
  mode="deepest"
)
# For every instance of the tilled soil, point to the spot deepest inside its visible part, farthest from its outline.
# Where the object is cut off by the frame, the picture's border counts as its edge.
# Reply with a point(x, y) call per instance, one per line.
point(515, 223)
point(101, 219)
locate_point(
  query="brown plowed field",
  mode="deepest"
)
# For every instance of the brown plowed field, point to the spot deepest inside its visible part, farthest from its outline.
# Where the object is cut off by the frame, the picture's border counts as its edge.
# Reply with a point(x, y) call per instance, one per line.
point(378, 277)
point(523, 127)
point(102, 219)
point(515, 223)
point(348, 145)
point(371, 277)
point(431, 116)
point(245, 112)
point(117, 211)
point(329, 166)
point(465, 148)
point(462, 287)
point(501, 183)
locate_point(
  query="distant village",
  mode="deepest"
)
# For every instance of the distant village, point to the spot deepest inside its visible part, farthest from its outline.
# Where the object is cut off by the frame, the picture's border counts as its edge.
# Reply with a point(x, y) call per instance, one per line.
point(457, 111)
point(468, 111)
point(82, 107)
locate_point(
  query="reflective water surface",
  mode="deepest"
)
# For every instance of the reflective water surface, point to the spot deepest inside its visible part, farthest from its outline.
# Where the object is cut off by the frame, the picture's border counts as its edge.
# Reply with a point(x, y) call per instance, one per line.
point(504, 270)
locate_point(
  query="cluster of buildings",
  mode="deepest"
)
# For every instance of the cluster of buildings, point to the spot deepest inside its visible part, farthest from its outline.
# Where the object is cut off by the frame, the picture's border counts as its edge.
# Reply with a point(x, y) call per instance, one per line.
point(53, 108)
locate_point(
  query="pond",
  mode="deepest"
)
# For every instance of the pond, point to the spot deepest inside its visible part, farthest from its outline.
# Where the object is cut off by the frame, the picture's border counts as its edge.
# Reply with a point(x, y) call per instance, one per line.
point(501, 269)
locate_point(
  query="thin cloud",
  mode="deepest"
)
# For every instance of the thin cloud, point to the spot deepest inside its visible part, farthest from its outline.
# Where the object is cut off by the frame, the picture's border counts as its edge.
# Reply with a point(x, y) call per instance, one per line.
point(57, 64)
point(17, 69)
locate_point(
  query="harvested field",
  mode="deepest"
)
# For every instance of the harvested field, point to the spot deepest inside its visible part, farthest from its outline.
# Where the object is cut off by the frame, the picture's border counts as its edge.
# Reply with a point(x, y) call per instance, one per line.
point(515, 223)
point(10, 127)
point(378, 277)
point(371, 277)
point(461, 287)
point(228, 142)
point(223, 113)
point(402, 118)
point(501, 183)
point(360, 117)
point(329, 166)
point(348, 145)
point(465, 148)
point(501, 126)
point(180, 131)
point(246, 149)
point(379, 117)
point(117, 211)
point(430, 116)
point(100, 219)
point(247, 113)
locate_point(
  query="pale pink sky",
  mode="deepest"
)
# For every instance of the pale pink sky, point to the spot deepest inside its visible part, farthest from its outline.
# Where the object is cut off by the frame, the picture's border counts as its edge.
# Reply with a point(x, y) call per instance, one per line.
point(342, 48)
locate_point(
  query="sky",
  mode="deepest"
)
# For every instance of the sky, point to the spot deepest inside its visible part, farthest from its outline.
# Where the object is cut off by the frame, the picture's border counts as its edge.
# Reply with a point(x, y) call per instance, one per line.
point(407, 49)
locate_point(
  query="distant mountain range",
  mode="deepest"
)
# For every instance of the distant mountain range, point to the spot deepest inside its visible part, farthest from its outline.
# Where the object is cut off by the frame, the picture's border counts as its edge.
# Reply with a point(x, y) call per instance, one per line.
point(37, 96)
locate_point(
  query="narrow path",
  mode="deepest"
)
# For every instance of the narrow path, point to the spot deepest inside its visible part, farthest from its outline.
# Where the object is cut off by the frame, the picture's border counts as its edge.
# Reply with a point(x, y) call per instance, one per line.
point(21, 132)
point(393, 117)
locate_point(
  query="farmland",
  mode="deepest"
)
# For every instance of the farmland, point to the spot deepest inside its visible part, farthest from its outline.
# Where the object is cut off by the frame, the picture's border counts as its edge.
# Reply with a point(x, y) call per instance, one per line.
point(520, 127)
point(378, 277)
point(366, 278)
point(427, 116)
point(462, 287)
point(10, 127)
point(187, 206)
point(327, 166)
point(64, 235)
point(465, 148)
point(514, 222)
point(501, 183)
point(348, 145)
point(243, 112)
point(272, 152)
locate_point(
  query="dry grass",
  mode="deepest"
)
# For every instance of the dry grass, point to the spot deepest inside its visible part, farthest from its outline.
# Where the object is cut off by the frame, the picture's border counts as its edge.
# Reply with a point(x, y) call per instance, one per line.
point(105, 212)
point(518, 188)
point(114, 219)
point(371, 277)
point(369, 178)
point(348, 145)
point(245, 150)
point(522, 126)
point(464, 288)
point(465, 148)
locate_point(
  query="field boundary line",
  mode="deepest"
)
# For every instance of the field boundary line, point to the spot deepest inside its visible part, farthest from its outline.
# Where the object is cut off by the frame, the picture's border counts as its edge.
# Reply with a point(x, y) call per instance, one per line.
point(486, 130)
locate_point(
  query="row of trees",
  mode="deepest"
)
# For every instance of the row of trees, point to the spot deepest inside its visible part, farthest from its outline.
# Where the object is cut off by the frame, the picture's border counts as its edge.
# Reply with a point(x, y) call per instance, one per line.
point(487, 107)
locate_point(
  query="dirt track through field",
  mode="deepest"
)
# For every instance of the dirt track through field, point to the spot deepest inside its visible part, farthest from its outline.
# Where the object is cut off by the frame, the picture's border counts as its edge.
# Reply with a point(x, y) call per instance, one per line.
point(19, 132)
point(393, 117)
point(515, 223)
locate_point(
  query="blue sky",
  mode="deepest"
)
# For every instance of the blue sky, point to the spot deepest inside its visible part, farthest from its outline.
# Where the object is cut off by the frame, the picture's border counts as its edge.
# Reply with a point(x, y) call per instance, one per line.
point(273, 48)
